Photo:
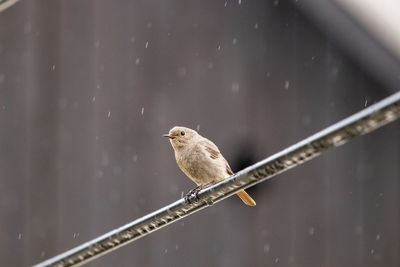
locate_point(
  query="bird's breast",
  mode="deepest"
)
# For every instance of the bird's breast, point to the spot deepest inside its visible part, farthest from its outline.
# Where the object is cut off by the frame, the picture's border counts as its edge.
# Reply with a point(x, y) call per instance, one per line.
point(198, 166)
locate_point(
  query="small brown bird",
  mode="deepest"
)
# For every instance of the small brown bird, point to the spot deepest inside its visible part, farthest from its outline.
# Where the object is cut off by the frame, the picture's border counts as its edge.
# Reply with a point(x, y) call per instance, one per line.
point(201, 160)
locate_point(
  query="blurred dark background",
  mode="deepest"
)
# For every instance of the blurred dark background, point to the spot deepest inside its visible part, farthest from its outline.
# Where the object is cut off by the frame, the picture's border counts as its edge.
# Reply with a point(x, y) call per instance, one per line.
point(87, 88)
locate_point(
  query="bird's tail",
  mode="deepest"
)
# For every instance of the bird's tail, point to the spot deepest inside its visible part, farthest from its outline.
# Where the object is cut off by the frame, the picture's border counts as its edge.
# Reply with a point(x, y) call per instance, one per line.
point(246, 198)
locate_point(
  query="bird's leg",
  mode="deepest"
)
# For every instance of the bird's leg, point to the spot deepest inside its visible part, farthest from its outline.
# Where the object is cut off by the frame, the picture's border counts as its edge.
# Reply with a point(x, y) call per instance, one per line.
point(201, 187)
point(187, 196)
point(191, 192)
point(195, 191)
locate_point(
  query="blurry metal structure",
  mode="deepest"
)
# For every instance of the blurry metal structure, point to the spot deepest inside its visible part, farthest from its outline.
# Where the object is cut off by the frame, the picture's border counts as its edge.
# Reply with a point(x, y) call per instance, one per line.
point(4, 4)
point(361, 26)
point(379, 18)
point(338, 134)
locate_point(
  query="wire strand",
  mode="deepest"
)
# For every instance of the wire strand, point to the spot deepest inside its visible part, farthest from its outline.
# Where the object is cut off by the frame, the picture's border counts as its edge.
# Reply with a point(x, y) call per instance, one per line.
point(363, 122)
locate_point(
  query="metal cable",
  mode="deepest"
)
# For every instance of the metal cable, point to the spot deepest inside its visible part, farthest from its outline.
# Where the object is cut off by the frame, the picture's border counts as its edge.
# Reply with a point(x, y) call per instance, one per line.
point(363, 122)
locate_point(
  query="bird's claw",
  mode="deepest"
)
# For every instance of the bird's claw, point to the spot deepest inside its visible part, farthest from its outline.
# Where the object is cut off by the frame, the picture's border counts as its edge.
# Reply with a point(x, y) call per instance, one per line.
point(189, 196)
point(195, 192)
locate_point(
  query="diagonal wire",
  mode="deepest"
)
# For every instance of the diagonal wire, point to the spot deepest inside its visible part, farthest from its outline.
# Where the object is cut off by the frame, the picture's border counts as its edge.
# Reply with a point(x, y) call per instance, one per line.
point(363, 122)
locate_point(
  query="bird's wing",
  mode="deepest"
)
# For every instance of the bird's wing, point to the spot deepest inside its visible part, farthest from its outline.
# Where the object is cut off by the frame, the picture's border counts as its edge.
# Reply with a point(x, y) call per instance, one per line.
point(228, 168)
point(211, 149)
point(214, 153)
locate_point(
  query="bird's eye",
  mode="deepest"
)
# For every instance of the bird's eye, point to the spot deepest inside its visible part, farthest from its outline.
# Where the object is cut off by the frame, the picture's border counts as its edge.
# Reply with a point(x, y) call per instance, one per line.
point(183, 133)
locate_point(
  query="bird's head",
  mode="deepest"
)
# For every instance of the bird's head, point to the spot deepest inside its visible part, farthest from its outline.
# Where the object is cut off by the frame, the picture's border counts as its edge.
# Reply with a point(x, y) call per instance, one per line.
point(180, 137)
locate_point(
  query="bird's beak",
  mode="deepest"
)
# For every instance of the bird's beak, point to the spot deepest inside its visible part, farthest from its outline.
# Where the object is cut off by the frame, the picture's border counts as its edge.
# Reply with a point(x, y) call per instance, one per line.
point(168, 135)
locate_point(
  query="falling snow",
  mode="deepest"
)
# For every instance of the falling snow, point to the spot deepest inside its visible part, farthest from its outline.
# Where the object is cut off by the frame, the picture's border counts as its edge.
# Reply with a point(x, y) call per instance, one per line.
point(234, 41)
point(142, 111)
point(109, 114)
point(105, 161)
point(311, 231)
point(181, 71)
point(198, 127)
point(137, 61)
point(267, 248)
point(147, 44)
point(235, 87)
point(287, 85)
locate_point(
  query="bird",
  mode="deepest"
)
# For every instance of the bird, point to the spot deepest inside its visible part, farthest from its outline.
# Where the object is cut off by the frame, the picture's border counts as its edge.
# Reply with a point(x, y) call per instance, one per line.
point(201, 160)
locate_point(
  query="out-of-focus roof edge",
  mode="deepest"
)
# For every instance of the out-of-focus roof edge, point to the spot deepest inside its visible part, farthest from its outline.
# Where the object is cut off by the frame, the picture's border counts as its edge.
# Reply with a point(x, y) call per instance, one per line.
point(362, 45)
point(4, 4)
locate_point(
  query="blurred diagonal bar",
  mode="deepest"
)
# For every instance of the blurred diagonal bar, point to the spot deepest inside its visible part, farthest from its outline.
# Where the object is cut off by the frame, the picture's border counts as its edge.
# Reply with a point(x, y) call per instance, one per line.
point(363, 122)
point(4, 4)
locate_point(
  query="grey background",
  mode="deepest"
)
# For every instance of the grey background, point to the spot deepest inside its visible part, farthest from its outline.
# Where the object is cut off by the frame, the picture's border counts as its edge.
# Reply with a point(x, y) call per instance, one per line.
point(84, 101)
